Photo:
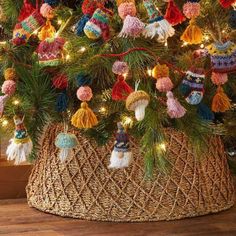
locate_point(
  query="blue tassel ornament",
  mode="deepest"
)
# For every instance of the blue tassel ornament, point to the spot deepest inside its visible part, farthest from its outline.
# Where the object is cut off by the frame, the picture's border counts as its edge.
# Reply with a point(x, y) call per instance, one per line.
point(205, 112)
point(83, 80)
point(79, 27)
point(62, 102)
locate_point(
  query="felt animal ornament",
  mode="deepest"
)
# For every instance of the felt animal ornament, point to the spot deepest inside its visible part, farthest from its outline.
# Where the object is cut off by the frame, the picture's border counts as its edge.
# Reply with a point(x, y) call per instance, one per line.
point(50, 52)
point(66, 142)
point(192, 34)
point(47, 11)
point(232, 18)
point(132, 26)
point(25, 28)
point(137, 101)
point(158, 26)
point(220, 102)
point(84, 118)
point(26, 10)
point(98, 25)
point(192, 86)
point(88, 8)
point(21, 145)
point(227, 3)
point(47, 31)
point(223, 57)
point(173, 15)
point(121, 89)
point(121, 156)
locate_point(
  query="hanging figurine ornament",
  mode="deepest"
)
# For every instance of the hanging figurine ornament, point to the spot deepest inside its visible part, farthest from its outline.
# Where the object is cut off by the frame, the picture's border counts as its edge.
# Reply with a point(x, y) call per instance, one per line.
point(121, 89)
point(121, 156)
point(21, 145)
point(26, 28)
point(158, 26)
point(66, 142)
point(98, 25)
point(132, 25)
point(192, 34)
point(192, 86)
point(173, 15)
point(137, 101)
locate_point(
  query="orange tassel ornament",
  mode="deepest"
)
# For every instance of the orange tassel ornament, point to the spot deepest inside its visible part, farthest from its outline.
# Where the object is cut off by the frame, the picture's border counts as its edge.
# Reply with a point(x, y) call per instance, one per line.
point(48, 31)
point(220, 103)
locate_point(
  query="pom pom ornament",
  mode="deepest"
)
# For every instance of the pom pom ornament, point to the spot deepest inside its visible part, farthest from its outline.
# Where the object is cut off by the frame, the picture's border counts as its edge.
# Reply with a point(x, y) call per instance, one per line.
point(84, 93)
point(23, 30)
point(47, 11)
point(26, 10)
point(174, 108)
point(60, 81)
point(137, 101)
point(158, 26)
point(3, 100)
point(219, 78)
point(120, 68)
point(66, 142)
point(9, 87)
point(127, 9)
point(98, 25)
point(192, 86)
point(173, 15)
point(10, 74)
point(227, 3)
point(220, 102)
point(121, 156)
point(21, 145)
point(84, 118)
point(47, 31)
point(191, 9)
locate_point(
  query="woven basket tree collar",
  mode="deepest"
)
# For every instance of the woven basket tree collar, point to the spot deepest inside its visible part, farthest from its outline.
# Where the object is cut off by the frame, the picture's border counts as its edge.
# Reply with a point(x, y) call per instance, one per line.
point(135, 98)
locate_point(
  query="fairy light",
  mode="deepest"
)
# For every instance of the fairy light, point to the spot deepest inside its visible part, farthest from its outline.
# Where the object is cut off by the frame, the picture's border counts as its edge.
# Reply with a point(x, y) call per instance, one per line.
point(125, 75)
point(103, 110)
point(166, 44)
point(3, 42)
point(184, 44)
point(67, 57)
point(202, 46)
point(5, 123)
point(35, 32)
point(127, 121)
point(206, 37)
point(161, 147)
point(16, 102)
point(82, 49)
point(223, 31)
point(59, 22)
point(149, 72)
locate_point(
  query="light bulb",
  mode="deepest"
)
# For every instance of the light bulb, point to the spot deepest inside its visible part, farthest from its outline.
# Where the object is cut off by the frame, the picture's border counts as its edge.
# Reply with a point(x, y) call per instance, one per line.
point(103, 110)
point(5, 123)
point(16, 102)
point(166, 44)
point(82, 49)
point(67, 57)
point(59, 22)
point(149, 71)
point(207, 37)
point(184, 44)
point(161, 147)
point(202, 46)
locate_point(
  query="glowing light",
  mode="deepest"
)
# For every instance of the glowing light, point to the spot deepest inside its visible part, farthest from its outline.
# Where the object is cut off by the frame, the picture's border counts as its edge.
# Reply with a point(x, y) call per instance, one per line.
point(184, 44)
point(103, 110)
point(161, 147)
point(166, 44)
point(16, 102)
point(3, 42)
point(67, 57)
point(82, 49)
point(35, 32)
point(223, 31)
point(206, 37)
point(127, 121)
point(149, 72)
point(5, 123)
point(59, 22)
point(202, 46)
point(125, 75)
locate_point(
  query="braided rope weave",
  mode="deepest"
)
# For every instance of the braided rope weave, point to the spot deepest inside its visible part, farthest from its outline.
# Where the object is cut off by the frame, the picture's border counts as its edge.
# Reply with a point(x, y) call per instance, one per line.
point(84, 188)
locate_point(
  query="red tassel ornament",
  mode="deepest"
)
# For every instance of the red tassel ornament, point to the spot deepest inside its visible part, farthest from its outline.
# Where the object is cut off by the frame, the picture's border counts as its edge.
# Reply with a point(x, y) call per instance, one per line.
point(121, 89)
point(26, 10)
point(173, 15)
point(227, 3)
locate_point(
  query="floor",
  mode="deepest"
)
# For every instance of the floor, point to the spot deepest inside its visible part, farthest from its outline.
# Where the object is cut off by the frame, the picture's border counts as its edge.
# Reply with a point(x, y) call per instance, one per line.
point(17, 219)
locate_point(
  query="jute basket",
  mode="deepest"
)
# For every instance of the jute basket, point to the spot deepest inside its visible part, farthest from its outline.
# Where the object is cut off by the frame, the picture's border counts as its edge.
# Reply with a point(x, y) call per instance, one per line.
point(85, 188)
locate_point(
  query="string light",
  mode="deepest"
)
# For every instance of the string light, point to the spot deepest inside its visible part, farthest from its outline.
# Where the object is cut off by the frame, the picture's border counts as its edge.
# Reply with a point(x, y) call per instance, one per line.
point(125, 75)
point(166, 44)
point(82, 49)
point(59, 22)
point(3, 42)
point(149, 72)
point(35, 32)
point(67, 57)
point(206, 37)
point(5, 123)
point(184, 44)
point(161, 147)
point(103, 110)
point(202, 46)
point(16, 102)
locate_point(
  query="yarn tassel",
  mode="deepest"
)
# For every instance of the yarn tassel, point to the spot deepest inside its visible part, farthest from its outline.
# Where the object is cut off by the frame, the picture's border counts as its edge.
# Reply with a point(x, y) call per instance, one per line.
point(121, 89)
point(84, 118)
point(62, 102)
point(174, 108)
point(219, 78)
point(221, 102)
point(3, 100)
point(192, 34)
point(48, 31)
point(205, 112)
point(164, 84)
point(173, 15)
point(26, 10)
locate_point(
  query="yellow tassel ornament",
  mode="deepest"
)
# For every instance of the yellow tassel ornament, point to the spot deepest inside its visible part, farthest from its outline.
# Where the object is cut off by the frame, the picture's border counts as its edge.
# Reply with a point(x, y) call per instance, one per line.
point(220, 102)
point(10, 74)
point(48, 31)
point(160, 71)
point(84, 118)
point(192, 34)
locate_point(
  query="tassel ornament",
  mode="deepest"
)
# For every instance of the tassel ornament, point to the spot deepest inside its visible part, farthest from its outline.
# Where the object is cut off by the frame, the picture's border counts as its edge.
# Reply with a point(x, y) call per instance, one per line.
point(47, 31)
point(121, 156)
point(84, 118)
point(21, 145)
point(220, 102)
point(174, 108)
point(66, 142)
point(10, 74)
point(219, 78)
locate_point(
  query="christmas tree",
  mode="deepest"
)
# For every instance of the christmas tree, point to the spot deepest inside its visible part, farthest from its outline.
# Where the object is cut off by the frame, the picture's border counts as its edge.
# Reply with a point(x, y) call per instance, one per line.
point(92, 64)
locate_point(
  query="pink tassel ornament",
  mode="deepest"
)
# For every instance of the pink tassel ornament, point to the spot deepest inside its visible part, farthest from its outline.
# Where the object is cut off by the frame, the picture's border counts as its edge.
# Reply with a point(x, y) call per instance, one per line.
point(219, 78)
point(84, 93)
point(9, 87)
point(133, 27)
point(3, 100)
point(164, 84)
point(174, 108)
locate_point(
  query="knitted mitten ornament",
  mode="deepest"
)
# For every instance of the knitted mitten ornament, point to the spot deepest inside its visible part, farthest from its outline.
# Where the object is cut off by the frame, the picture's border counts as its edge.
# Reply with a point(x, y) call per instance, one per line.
point(132, 26)
point(173, 15)
point(23, 30)
point(21, 145)
point(121, 89)
point(192, 34)
point(98, 25)
point(47, 31)
point(121, 156)
point(227, 3)
point(192, 86)
point(158, 26)
point(50, 52)
point(26, 10)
